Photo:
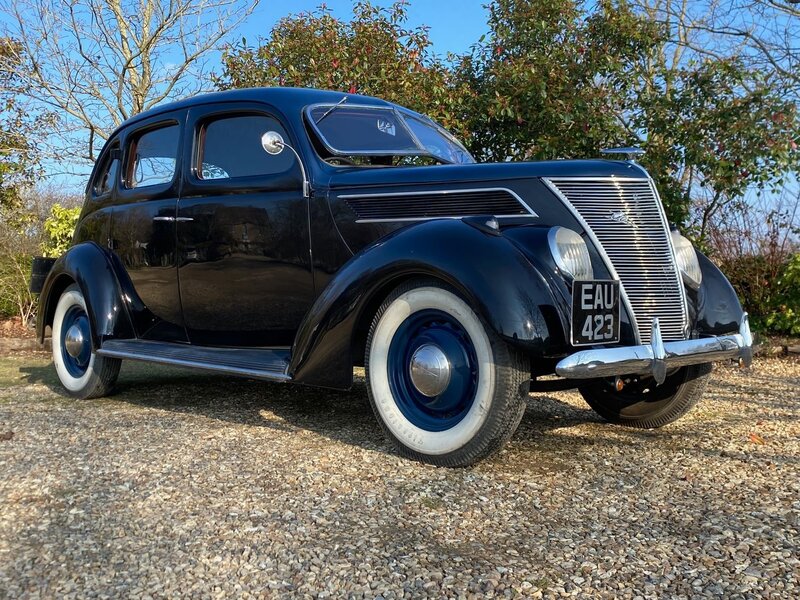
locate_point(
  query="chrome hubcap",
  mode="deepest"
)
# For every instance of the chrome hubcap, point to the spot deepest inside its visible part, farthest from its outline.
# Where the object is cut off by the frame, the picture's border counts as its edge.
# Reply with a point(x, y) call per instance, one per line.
point(74, 342)
point(430, 370)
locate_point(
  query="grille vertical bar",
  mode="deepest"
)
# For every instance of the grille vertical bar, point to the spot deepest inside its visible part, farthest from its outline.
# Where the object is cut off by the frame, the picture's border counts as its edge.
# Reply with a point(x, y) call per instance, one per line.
point(625, 216)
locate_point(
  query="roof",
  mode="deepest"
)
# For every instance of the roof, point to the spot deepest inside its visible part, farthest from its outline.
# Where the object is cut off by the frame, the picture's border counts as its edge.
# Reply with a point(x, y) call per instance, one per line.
point(285, 99)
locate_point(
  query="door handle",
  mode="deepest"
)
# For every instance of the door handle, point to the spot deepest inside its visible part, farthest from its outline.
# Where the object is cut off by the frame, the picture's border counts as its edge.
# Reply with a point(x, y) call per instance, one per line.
point(178, 219)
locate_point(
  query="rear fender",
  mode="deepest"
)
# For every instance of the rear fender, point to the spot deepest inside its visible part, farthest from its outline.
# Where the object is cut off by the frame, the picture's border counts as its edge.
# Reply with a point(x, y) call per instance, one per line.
point(488, 270)
point(92, 269)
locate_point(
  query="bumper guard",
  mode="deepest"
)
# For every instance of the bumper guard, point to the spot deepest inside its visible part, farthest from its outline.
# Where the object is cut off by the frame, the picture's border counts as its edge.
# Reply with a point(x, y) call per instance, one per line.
point(657, 357)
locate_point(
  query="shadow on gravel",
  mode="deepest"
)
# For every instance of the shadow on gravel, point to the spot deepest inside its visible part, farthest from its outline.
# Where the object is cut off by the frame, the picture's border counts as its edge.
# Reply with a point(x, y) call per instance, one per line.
point(341, 416)
point(548, 426)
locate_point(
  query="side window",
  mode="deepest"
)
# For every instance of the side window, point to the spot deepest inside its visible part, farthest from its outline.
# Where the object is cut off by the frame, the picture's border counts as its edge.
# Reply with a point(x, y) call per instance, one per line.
point(230, 147)
point(105, 177)
point(152, 157)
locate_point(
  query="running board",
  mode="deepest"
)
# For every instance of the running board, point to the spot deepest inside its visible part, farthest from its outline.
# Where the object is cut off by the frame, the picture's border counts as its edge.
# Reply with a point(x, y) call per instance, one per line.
point(260, 363)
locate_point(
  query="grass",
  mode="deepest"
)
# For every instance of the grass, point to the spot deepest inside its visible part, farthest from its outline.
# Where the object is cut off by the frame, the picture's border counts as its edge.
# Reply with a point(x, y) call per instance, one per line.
point(22, 369)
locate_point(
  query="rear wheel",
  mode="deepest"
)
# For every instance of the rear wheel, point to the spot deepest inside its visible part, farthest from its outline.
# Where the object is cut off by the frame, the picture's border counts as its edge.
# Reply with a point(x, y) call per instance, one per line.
point(645, 405)
point(445, 389)
point(80, 370)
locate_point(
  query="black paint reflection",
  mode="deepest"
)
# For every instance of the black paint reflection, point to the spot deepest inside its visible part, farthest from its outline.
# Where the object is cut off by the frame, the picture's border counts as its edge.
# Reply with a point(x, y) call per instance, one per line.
point(144, 240)
point(245, 277)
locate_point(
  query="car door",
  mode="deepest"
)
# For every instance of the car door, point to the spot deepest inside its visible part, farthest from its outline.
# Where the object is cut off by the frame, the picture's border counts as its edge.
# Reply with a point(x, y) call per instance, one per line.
point(143, 223)
point(244, 254)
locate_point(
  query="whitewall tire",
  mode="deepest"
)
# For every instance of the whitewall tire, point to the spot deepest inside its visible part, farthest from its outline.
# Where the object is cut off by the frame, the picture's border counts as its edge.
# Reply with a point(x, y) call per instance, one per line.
point(444, 387)
point(82, 373)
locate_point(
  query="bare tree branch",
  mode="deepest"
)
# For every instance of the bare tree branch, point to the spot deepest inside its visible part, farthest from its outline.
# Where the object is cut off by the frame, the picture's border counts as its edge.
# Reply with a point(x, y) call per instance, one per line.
point(95, 63)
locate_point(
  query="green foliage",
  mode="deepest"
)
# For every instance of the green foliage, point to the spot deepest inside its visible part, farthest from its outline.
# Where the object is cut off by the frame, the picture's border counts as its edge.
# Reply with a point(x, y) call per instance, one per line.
point(59, 228)
point(785, 314)
point(373, 54)
point(769, 289)
point(18, 156)
point(713, 130)
point(551, 79)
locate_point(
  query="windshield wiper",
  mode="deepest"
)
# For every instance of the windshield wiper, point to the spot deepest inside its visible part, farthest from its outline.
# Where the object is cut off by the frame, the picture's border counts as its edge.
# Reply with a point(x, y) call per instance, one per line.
point(331, 109)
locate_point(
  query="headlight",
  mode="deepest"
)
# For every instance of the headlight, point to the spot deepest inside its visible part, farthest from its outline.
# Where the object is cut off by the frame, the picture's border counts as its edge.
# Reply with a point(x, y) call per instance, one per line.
point(686, 258)
point(570, 253)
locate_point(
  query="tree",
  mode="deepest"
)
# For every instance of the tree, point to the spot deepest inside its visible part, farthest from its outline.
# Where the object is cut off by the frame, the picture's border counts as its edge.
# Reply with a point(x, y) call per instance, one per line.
point(373, 54)
point(555, 79)
point(716, 123)
point(18, 157)
point(94, 63)
point(714, 130)
point(551, 78)
point(763, 33)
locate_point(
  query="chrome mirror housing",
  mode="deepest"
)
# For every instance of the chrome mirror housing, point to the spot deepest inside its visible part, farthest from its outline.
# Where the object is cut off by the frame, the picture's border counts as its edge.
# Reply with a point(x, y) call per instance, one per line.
point(272, 142)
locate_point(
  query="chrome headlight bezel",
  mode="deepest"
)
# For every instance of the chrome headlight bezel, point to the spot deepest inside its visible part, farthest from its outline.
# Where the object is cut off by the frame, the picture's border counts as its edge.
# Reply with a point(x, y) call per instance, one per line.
point(686, 259)
point(570, 253)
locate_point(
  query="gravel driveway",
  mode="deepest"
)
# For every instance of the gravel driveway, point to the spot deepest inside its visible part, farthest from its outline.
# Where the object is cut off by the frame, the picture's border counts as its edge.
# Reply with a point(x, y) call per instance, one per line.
point(190, 484)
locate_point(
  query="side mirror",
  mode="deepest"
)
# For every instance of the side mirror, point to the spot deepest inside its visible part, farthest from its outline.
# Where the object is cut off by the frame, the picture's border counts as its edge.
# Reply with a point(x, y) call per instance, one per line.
point(272, 142)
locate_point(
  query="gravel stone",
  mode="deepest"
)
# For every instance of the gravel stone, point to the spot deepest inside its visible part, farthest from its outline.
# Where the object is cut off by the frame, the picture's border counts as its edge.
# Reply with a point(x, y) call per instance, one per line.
point(188, 484)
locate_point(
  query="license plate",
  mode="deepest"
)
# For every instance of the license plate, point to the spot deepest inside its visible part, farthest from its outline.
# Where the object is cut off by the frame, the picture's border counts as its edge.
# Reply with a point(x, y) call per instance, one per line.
point(595, 312)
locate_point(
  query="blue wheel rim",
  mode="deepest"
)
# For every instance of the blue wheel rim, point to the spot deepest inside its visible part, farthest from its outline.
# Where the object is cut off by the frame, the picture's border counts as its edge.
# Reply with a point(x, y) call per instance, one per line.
point(76, 365)
point(446, 410)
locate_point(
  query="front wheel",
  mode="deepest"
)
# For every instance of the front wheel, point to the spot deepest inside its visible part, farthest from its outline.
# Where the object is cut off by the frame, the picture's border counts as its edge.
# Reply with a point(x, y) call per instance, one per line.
point(83, 373)
point(444, 387)
point(645, 405)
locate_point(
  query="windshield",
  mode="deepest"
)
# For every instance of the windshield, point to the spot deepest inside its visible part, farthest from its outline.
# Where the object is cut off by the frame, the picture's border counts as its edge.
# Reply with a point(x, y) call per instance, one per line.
point(351, 130)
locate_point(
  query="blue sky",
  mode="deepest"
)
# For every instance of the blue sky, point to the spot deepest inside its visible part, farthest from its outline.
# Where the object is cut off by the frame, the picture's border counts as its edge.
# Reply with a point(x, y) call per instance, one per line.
point(454, 24)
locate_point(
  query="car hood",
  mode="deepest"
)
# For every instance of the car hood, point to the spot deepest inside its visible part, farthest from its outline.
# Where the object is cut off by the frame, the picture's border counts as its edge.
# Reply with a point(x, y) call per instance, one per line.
point(350, 177)
point(382, 188)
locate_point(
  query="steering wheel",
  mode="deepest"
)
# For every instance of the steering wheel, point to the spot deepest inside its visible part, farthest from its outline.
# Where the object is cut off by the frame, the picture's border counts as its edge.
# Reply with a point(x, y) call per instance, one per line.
point(340, 161)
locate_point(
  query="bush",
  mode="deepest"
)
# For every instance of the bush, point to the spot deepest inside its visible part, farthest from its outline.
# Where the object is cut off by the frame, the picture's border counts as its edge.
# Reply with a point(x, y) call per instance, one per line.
point(59, 228)
point(785, 317)
point(17, 249)
point(769, 291)
point(42, 226)
point(15, 299)
point(755, 243)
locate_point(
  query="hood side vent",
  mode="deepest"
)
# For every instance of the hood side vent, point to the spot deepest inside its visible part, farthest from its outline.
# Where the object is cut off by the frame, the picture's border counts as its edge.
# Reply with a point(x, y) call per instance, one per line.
point(436, 204)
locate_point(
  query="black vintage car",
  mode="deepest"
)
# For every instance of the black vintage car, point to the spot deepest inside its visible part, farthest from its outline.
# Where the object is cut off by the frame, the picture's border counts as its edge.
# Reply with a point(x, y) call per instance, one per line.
point(290, 234)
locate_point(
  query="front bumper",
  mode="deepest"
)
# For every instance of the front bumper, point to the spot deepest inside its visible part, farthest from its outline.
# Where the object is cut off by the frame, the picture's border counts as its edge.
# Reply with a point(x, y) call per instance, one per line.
point(656, 358)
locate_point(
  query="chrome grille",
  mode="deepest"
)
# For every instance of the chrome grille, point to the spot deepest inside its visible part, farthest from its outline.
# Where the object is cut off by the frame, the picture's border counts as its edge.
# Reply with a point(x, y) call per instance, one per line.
point(626, 218)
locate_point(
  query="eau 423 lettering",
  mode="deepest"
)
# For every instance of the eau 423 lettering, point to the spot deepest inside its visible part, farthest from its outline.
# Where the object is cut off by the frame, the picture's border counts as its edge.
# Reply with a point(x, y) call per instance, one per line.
point(595, 312)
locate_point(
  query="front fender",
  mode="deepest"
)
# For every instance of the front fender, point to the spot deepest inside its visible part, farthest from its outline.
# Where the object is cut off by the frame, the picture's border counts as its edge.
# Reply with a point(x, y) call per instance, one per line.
point(89, 266)
point(716, 306)
point(490, 272)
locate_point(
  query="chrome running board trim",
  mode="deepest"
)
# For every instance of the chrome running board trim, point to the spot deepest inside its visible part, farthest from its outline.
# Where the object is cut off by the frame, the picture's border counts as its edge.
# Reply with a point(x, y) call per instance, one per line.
point(259, 363)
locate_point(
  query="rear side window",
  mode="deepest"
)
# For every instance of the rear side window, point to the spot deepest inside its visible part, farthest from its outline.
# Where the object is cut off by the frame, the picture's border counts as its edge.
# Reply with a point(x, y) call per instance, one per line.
point(152, 157)
point(230, 147)
point(104, 180)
